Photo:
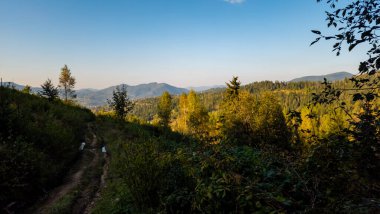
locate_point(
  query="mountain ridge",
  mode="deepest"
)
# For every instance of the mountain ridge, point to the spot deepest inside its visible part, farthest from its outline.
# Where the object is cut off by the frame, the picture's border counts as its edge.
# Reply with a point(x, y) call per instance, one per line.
point(330, 77)
point(98, 97)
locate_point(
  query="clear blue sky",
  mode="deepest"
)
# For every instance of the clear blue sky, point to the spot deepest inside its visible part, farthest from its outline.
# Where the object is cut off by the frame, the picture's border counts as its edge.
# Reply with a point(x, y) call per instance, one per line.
point(180, 42)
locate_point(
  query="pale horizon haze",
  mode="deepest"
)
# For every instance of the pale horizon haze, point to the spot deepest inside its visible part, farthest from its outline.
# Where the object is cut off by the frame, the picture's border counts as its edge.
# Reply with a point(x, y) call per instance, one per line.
point(180, 42)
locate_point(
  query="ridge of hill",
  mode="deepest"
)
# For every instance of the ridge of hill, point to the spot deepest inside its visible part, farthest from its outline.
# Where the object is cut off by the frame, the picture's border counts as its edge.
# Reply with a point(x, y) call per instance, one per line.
point(92, 98)
point(330, 77)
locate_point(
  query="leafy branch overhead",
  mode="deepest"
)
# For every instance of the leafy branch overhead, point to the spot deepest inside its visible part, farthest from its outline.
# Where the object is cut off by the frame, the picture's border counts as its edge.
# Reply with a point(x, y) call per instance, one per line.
point(356, 23)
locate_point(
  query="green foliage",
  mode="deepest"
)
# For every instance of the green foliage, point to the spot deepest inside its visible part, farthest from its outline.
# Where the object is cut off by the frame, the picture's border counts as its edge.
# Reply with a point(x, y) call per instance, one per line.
point(254, 120)
point(49, 91)
point(358, 22)
point(233, 88)
point(247, 157)
point(197, 116)
point(147, 108)
point(192, 116)
point(165, 108)
point(38, 142)
point(237, 152)
point(27, 89)
point(238, 179)
point(120, 102)
point(334, 171)
point(164, 173)
point(355, 22)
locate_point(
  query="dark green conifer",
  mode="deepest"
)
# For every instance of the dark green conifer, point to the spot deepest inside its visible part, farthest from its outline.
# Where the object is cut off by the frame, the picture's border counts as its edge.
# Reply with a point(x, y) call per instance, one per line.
point(49, 91)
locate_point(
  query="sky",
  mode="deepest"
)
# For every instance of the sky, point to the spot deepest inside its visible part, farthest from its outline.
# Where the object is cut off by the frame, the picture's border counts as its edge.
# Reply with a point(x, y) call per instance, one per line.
point(180, 42)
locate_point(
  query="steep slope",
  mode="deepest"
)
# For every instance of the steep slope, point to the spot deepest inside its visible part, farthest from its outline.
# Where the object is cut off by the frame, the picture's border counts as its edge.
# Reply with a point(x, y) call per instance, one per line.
point(39, 142)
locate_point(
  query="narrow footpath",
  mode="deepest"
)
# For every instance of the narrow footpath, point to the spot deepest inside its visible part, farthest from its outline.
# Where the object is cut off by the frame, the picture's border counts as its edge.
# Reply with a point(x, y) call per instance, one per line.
point(81, 188)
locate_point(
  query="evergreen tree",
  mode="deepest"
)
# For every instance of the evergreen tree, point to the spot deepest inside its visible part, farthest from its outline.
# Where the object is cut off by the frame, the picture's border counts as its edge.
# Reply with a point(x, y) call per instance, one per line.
point(49, 90)
point(67, 83)
point(120, 102)
point(233, 88)
point(165, 108)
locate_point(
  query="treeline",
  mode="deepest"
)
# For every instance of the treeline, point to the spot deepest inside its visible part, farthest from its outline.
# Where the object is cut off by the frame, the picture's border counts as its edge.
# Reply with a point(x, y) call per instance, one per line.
point(39, 140)
point(291, 96)
point(208, 111)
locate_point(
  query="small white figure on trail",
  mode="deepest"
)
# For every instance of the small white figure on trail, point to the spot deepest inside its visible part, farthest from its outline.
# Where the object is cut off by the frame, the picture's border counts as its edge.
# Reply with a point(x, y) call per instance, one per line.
point(104, 149)
point(82, 146)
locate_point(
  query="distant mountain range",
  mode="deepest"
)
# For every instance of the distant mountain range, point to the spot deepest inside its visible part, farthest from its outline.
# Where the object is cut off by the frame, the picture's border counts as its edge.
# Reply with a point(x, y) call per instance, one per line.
point(20, 87)
point(98, 97)
point(329, 77)
point(93, 97)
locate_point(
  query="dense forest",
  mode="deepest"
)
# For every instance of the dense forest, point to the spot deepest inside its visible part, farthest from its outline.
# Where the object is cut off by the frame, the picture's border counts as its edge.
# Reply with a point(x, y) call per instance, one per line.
point(264, 147)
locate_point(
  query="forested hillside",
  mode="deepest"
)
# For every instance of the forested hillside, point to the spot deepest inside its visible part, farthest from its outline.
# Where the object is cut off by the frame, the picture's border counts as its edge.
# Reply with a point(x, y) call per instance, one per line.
point(39, 143)
point(264, 147)
point(291, 96)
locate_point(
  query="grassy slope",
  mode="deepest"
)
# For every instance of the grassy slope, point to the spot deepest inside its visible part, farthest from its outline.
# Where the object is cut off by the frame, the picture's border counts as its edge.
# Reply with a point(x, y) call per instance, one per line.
point(39, 142)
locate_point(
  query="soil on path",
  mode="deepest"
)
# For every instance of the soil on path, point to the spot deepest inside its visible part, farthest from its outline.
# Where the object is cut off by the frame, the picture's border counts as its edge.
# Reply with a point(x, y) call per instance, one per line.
point(83, 177)
point(92, 204)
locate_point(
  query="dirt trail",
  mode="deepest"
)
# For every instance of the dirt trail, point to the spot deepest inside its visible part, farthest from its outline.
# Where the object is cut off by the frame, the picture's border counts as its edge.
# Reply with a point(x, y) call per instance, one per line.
point(87, 196)
point(91, 205)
